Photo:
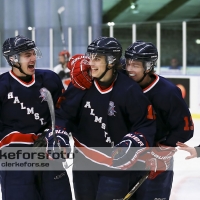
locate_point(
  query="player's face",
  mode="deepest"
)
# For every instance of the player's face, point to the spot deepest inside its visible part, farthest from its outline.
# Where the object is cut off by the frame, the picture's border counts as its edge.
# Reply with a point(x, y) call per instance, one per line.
point(134, 69)
point(98, 65)
point(61, 59)
point(27, 61)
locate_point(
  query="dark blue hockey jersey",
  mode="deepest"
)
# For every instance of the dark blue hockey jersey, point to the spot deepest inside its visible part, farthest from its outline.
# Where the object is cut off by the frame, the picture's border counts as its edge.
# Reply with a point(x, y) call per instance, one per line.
point(99, 117)
point(23, 114)
point(173, 118)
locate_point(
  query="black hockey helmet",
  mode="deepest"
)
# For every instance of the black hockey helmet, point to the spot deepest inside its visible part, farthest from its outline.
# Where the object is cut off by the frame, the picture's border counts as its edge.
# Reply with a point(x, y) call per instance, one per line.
point(12, 47)
point(107, 46)
point(145, 52)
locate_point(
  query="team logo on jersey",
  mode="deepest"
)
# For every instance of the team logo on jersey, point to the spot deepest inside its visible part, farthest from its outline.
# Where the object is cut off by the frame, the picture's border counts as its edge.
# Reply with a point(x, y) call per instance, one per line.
point(111, 111)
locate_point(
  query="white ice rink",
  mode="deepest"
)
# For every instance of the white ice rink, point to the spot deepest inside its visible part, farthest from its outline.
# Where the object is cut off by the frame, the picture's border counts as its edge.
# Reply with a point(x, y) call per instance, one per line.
point(186, 172)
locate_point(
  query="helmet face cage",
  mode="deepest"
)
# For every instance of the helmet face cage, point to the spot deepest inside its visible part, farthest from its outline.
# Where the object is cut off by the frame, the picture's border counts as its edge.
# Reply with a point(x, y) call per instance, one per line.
point(13, 47)
point(94, 56)
point(143, 52)
point(16, 57)
point(147, 65)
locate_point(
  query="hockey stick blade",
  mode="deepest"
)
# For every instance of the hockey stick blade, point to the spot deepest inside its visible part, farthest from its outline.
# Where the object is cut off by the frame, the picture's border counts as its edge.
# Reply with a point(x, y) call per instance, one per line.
point(61, 9)
point(136, 186)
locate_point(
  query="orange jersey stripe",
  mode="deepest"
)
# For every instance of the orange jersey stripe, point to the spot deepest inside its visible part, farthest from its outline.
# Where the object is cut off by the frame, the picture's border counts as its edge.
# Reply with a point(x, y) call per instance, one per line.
point(103, 91)
point(22, 82)
point(152, 84)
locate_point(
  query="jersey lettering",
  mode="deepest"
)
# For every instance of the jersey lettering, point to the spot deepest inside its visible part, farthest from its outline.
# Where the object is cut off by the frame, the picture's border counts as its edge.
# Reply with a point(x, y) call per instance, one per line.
point(92, 112)
point(87, 105)
point(105, 134)
point(10, 95)
point(36, 115)
point(16, 100)
point(42, 121)
point(103, 126)
point(108, 140)
point(30, 111)
point(98, 119)
point(22, 106)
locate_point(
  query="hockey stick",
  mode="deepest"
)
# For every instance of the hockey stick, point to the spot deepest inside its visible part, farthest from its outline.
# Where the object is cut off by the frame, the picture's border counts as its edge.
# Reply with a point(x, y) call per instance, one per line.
point(60, 10)
point(46, 96)
point(136, 186)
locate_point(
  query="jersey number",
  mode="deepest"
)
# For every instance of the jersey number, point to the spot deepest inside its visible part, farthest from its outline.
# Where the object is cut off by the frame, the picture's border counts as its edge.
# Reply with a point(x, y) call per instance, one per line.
point(187, 126)
point(150, 114)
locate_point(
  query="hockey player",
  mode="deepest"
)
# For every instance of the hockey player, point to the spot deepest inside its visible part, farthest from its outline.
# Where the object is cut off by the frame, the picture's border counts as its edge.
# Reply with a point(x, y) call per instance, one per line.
point(61, 69)
point(194, 151)
point(112, 112)
point(23, 115)
point(173, 118)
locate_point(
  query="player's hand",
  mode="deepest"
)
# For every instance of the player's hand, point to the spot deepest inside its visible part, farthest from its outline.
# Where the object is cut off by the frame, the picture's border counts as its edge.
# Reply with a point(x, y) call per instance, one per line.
point(158, 159)
point(58, 146)
point(125, 154)
point(80, 71)
point(156, 167)
point(191, 150)
point(163, 152)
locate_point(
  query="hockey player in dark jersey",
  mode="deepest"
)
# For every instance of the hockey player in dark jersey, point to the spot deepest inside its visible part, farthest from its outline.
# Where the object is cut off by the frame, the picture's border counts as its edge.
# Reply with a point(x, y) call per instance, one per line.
point(23, 115)
point(173, 118)
point(113, 112)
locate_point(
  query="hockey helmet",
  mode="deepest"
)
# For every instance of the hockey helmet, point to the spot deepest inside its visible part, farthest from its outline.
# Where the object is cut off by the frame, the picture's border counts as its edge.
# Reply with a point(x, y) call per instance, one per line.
point(145, 52)
point(12, 47)
point(64, 53)
point(107, 46)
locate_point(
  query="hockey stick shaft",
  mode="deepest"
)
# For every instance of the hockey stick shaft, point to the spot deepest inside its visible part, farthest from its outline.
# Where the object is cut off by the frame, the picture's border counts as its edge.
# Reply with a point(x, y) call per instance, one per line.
point(60, 10)
point(136, 186)
point(46, 95)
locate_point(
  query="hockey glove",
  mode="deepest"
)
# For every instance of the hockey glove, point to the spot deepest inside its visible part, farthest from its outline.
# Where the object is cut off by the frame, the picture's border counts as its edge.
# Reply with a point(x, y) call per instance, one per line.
point(158, 159)
point(57, 146)
point(125, 154)
point(79, 71)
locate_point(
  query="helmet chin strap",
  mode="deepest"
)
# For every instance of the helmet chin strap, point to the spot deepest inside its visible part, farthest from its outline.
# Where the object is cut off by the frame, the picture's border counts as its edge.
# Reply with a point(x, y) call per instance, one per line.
point(145, 69)
point(20, 69)
point(142, 78)
point(103, 74)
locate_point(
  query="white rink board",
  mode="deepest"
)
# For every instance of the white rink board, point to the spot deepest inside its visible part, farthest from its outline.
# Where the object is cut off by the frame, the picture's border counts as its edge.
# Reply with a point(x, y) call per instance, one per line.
point(186, 172)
